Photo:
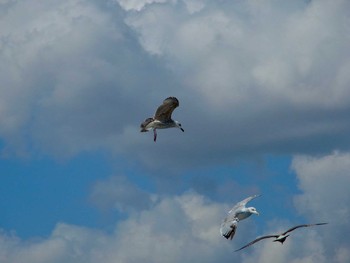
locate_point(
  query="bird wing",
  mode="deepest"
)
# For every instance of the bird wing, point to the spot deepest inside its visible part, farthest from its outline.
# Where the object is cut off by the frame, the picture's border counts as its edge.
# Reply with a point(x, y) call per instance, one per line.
point(257, 240)
point(304, 225)
point(145, 123)
point(165, 110)
point(241, 204)
point(228, 228)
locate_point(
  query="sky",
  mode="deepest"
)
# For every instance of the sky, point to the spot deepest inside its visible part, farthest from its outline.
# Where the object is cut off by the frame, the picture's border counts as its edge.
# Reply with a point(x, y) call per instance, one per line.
point(264, 91)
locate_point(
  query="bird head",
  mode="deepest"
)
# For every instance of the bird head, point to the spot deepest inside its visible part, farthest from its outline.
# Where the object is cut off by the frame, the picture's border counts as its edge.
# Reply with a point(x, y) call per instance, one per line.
point(178, 124)
point(253, 210)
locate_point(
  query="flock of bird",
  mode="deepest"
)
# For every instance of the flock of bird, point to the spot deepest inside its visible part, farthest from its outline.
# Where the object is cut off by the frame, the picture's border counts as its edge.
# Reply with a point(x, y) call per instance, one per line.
point(162, 120)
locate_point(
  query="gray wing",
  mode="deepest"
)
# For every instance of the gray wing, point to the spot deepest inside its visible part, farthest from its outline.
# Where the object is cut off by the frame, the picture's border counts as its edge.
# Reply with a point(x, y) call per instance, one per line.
point(241, 204)
point(228, 228)
point(304, 225)
point(165, 110)
point(256, 240)
point(145, 123)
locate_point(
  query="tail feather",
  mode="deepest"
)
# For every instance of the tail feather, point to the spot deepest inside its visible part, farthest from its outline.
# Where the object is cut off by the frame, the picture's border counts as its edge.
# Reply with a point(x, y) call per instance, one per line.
point(145, 123)
point(228, 229)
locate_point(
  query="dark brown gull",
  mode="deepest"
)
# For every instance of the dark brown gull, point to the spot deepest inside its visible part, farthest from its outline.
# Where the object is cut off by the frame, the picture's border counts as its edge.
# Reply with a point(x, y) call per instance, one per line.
point(162, 118)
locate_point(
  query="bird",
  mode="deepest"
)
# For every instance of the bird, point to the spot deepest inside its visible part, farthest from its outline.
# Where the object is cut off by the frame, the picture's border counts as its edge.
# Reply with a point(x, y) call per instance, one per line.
point(162, 118)
point(280, 237)
point(238, 212)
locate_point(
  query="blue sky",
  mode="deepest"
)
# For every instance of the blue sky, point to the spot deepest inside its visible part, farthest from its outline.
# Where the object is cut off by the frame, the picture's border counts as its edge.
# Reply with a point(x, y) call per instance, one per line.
point(264, 100)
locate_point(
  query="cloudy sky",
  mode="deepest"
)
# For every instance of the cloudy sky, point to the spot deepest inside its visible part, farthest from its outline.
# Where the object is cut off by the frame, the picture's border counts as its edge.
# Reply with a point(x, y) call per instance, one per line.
point(264, 91)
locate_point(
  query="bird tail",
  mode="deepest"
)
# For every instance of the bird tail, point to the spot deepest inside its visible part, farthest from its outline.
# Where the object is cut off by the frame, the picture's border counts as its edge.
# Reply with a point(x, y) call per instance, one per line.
point(228, 230)
point(229, 234)
point(145, 123)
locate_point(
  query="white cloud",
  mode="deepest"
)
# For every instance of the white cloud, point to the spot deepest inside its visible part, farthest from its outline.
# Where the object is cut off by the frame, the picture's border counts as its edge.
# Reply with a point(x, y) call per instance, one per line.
point(324, 197)
point(118, 193)
point(138, 5)
point(193, 6)
point(182, 228)
point(251, 78)
point(272, 77)
point(232, 51)
point(177, 229)
point(67, 71)
point(43, 46)
point(185, 228)
point(324, 182)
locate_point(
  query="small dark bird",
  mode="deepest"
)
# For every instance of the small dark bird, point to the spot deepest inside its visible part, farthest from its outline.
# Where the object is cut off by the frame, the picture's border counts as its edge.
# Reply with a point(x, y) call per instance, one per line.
point(280, 237)
point(162, 118)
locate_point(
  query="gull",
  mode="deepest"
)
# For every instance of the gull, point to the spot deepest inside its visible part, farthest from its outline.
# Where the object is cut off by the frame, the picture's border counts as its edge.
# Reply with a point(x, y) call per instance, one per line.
point(237, 213)
point(280, 237)
point(162, 118)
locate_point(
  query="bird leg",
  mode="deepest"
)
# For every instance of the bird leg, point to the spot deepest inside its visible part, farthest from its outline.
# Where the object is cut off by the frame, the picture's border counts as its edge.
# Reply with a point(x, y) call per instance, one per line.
point(154, 135)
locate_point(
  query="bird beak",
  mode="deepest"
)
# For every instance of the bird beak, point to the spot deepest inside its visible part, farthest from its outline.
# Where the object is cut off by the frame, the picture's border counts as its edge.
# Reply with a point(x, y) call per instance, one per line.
point(182, 129)
point(257, 212)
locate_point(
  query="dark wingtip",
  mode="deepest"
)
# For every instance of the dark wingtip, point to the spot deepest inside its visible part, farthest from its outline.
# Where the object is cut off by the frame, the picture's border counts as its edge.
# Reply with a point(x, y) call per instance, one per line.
point(173, 98)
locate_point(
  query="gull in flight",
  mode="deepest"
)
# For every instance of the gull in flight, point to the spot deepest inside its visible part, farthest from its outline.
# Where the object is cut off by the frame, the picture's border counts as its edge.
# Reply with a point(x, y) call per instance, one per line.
point(162, 118)
point(280, 237)
point(237, 213)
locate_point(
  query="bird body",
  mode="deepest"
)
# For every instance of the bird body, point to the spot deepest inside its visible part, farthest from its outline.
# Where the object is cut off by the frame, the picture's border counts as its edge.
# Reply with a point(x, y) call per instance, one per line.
point(152, 123)
point(245, 213)
point(280, 237)
point(237, 213)
point(162, 118)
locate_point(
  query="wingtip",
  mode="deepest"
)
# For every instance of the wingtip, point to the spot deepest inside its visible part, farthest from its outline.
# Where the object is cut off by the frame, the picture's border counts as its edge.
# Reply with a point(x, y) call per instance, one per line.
point(239, 249)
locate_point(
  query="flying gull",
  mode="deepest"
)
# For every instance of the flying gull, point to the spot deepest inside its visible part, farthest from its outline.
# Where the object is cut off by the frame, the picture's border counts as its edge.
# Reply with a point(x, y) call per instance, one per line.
point(237, 213)
point(280, 237)
point(162, 118)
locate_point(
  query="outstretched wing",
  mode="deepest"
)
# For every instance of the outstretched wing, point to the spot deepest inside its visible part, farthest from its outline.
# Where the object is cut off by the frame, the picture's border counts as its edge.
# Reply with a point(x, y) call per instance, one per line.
point(256, 240)
point(241, 204)
point(304, 225)
point(228, 228)
point(165, 110)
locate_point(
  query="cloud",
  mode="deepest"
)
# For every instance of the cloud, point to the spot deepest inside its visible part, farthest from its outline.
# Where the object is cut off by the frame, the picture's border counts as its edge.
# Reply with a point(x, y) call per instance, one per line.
point(255, 79)
point(67, 243)
point(185, 227)
point(252, 79)
point(68, 76)
point(242, 49)
point(138, 5)
point(323, 198)
point(181, 228)
point(324, 180)
point(119, 193)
